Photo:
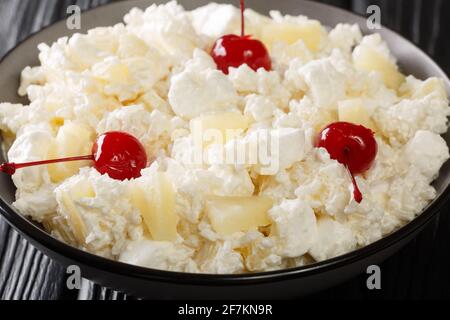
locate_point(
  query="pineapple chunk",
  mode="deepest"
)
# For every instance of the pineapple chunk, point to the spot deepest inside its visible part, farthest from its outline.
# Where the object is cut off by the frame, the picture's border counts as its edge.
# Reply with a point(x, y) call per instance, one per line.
point(59, 226)
point(72, 140)
point(56, 123)
point(8, 138)
point(430, 86)
point(85, 190)
point(131, 46)
point(416, 89)
point(151, 101)
point(353, 111)
point(157, 207)
point(233, 214)
point(368, 59)
point(311, 32)
point(112, 71)
point(227, 126)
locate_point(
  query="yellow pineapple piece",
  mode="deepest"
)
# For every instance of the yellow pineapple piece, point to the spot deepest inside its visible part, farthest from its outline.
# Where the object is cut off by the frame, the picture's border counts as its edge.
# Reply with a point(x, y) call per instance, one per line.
point(131, 45)
point(353, 111)
point(72, 140)
point(151, 101)
point(417, 89)
point(84, 190)
point(58, 225)
point(234, 214)
point(112, 72)
point(429, 86)
point(56, 123)
point(157, 207)
point(8, 138)
point(368, 59)
point(311, 32)
point(219, 128)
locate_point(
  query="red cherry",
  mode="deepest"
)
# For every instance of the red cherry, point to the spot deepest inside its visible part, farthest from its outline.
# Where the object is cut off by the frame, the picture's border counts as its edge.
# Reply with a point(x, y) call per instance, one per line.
point(233, 51)
point(352, 145)
point(120, 155)
point(117, 154)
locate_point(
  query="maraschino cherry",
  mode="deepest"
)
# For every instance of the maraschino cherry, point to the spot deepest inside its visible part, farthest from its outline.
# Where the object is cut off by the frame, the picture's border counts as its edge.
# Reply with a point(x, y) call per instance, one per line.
point(117, 154)
point(352, 145)
point(233, 51)
point(120, 155)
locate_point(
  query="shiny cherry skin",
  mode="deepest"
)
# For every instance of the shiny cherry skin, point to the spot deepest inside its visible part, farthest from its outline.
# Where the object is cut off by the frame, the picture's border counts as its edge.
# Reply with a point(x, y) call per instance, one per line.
point(119, 155)
point(351, 145)
point(233, 51)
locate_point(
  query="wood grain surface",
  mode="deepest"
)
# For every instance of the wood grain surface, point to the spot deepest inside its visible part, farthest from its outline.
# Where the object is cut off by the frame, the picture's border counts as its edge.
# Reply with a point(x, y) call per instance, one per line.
point(420, 270)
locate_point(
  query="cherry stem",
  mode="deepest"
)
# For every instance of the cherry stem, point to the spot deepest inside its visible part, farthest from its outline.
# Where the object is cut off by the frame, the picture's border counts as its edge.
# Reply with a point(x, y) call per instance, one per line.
point(242, 18)
point(11, 167)
point(356, 191)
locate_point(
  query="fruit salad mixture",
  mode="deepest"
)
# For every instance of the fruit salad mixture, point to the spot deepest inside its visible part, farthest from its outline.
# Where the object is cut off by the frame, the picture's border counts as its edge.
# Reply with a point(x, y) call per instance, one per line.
point(186, 141)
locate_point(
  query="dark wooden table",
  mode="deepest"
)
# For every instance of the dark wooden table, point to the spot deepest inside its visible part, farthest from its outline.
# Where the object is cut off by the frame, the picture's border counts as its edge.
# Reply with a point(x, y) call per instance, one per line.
point(420, 271)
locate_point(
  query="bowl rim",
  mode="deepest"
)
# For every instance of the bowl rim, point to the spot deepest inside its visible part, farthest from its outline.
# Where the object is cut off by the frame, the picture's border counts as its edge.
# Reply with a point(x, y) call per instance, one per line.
point(32, 232)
